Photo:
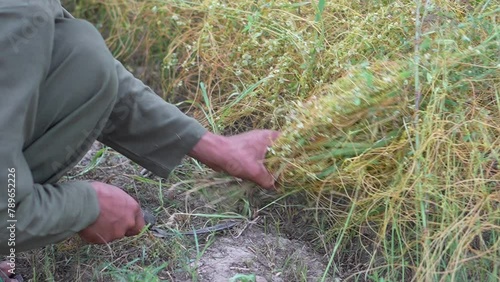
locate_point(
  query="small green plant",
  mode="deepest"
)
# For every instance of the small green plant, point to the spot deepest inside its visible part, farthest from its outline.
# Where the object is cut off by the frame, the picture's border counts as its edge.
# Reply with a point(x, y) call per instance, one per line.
point(128, 273)
point(243, 278)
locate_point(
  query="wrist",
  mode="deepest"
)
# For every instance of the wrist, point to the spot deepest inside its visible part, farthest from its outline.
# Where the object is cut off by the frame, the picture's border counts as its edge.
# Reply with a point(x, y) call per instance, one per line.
point(212, 150)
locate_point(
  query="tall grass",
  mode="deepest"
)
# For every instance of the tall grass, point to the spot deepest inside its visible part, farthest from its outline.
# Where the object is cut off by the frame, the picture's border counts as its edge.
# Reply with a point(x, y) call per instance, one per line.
point(389, 110)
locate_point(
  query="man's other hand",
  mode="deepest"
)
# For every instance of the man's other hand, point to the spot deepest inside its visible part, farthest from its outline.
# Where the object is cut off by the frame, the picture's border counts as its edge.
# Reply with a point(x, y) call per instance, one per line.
point(120, 215)
point(5, 272)
point(240, 155)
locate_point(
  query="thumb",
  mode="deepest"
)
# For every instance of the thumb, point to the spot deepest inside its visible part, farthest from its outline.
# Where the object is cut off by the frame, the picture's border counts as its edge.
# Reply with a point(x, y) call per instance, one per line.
point(266, 180)
point(139, 224)
point(271, 136)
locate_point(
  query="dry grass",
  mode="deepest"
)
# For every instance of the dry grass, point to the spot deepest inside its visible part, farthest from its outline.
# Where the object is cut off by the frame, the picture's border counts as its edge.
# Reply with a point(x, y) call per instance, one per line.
point(389, 110)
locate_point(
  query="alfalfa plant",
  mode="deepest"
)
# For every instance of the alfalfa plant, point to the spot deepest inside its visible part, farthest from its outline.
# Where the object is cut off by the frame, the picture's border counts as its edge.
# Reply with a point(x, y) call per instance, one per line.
point(401, 149)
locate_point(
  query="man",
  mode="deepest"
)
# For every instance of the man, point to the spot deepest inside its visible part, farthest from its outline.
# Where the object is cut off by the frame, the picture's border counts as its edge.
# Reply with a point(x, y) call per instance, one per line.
point(61, 89)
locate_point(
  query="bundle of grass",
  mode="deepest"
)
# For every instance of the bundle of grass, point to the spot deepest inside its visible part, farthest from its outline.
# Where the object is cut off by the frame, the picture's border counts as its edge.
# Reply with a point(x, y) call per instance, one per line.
point(357, 114)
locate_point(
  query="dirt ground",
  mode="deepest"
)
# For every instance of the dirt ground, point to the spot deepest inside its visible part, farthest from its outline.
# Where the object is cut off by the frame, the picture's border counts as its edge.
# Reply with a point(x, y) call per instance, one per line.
point(268, 257)
point(254, 250)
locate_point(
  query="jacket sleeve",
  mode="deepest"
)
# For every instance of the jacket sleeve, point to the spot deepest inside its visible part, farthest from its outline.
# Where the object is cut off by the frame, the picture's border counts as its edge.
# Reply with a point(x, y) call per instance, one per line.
point(145, 128)
point(148, 130)
point(31, 214)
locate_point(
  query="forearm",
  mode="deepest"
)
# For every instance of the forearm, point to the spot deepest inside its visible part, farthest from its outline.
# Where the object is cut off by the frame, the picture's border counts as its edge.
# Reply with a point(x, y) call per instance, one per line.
point(211, 150)
point(148, 130)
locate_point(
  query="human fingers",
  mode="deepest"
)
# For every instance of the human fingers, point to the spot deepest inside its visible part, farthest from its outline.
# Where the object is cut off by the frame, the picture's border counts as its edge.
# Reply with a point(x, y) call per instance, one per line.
point(138, 225)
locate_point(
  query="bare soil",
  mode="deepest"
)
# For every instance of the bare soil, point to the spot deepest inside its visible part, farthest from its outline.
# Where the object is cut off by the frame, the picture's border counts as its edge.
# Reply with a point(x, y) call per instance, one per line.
point(268, 257)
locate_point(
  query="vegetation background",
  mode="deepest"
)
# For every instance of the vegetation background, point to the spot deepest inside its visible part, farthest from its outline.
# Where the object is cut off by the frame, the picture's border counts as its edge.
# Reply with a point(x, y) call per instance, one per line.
point(388, 161)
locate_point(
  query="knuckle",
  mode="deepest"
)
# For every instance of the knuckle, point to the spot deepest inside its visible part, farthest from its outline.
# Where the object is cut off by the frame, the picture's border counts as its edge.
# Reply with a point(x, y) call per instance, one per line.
point(135, 207)
point(130, 225)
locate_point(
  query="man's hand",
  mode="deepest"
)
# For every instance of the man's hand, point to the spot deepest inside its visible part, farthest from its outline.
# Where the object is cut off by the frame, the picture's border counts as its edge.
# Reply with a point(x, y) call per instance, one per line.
point(120, 215)
point(5, 272)
point(240, 155)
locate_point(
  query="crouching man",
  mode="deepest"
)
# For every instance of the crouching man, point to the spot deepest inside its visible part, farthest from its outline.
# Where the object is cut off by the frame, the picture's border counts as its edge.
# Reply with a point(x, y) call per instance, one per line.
point(60, 90)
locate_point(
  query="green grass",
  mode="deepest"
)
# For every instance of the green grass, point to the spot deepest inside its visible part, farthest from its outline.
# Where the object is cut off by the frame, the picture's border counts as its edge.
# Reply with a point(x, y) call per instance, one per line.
point(389, 112)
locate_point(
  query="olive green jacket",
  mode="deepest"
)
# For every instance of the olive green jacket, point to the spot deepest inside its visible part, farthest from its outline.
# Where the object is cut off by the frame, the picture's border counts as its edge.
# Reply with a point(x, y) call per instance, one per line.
point(144, 128)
